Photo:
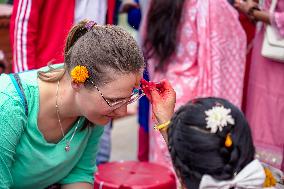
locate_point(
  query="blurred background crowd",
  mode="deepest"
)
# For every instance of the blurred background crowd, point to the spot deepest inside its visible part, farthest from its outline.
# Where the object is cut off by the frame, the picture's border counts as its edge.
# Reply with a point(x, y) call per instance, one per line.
point(203, 47)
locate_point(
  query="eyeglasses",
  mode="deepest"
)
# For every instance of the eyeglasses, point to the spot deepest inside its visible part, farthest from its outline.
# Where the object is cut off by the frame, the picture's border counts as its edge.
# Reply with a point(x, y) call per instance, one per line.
point(136, 95)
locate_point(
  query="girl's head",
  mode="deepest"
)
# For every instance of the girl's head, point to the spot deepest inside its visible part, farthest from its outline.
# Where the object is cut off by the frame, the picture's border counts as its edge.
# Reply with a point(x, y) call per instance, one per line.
point(197, 150)
point(113, 62)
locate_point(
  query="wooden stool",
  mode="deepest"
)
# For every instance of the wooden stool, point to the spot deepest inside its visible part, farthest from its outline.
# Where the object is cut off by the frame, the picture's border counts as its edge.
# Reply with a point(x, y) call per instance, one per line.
point(134, 175)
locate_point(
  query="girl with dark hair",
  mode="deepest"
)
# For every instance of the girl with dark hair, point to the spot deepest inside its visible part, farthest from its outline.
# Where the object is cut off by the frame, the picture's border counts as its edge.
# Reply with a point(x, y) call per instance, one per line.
point(196, 150)
point(51, 117)
point(200, 47)
point(210, 144)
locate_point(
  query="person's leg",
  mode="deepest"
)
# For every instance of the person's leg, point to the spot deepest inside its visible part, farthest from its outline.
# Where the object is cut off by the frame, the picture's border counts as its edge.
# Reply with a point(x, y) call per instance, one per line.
point(143, 144)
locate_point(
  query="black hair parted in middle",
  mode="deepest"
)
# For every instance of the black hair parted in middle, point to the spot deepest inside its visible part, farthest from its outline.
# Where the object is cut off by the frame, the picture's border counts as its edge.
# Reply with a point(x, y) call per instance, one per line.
point(196, 151)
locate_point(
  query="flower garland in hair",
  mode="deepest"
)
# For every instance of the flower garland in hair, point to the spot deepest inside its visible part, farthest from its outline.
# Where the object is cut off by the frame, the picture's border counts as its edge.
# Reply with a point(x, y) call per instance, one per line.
point(79, 74)
point(217, 118)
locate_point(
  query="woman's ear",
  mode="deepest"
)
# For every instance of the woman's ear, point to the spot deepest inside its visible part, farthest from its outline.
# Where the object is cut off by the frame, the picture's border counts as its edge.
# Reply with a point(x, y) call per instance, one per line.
point(76, 86)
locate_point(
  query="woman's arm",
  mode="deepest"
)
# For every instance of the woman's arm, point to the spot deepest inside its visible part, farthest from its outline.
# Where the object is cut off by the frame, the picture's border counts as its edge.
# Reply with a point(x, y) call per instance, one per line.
point(25, 46)
point(163, 105)
point(261, 16)
point(275, 19)
point(127, 4)
point(12, 122)
point(81, 185)
point(250, 8)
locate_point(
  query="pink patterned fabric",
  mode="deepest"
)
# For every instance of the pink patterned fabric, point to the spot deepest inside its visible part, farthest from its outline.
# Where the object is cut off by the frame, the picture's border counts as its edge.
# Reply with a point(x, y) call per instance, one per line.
point(209, 60)
point(279, 22)
point(277, 18)
point(265, 97)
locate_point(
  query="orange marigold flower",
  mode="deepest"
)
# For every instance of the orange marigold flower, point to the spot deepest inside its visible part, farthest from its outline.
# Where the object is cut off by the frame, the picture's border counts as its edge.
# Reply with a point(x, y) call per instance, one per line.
point(79, 74)
point(270, 181)
point(228, 141)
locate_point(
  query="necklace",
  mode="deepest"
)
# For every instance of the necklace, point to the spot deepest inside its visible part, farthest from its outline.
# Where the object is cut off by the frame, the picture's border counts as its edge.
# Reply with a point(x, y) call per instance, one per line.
point(67, 146)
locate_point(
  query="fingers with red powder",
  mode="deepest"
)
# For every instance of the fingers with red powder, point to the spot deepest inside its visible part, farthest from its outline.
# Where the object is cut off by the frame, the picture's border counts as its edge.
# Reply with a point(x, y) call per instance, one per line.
point(162, 97)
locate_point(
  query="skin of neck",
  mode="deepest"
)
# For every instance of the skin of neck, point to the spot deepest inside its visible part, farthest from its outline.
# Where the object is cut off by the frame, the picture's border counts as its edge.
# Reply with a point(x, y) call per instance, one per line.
point(66, 95)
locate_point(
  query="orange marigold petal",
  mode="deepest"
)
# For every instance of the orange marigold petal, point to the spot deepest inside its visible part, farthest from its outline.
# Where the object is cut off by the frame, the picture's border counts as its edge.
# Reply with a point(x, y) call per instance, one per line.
point(270, 181)
point(228, 141)
point(79, 74)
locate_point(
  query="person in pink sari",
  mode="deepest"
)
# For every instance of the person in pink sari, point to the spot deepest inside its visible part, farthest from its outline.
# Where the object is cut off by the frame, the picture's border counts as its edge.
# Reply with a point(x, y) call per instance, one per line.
point(265, 95)
point(200, 47)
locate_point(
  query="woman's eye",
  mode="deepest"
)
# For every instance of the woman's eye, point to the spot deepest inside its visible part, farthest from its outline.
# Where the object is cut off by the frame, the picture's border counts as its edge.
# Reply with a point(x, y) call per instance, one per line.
point(112, 100)
point(115, 100)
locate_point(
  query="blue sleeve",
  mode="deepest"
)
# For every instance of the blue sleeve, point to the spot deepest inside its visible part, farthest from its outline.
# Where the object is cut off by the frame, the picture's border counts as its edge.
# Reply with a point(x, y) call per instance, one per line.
point(134, 18)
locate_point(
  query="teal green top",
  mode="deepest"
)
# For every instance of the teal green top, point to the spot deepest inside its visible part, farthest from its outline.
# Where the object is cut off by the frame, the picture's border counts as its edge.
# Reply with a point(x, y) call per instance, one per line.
point(27, 160)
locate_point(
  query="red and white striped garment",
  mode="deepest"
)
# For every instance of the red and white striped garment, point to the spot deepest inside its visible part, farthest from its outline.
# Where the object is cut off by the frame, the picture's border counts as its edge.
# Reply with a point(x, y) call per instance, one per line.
point(38, 31)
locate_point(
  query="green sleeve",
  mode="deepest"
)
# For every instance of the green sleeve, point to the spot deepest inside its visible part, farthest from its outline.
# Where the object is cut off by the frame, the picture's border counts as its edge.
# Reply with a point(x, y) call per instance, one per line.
point(12, 123)
point(86, 167)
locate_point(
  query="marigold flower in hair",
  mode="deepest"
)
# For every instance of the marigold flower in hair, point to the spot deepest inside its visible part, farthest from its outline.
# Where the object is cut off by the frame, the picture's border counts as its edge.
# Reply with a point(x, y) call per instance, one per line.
point(228, 141)
point(79, 74)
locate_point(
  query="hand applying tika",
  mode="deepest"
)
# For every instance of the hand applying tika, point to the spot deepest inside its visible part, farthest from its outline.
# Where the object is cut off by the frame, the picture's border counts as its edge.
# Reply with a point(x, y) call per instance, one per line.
point(162, 97)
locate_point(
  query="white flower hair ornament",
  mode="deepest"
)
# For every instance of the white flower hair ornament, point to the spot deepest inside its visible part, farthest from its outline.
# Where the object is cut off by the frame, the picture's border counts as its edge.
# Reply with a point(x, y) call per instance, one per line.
point(218, 117)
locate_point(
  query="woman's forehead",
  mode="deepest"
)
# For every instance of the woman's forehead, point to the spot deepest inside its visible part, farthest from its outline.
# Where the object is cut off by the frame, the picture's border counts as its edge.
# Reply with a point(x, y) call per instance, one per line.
point(123, 83)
